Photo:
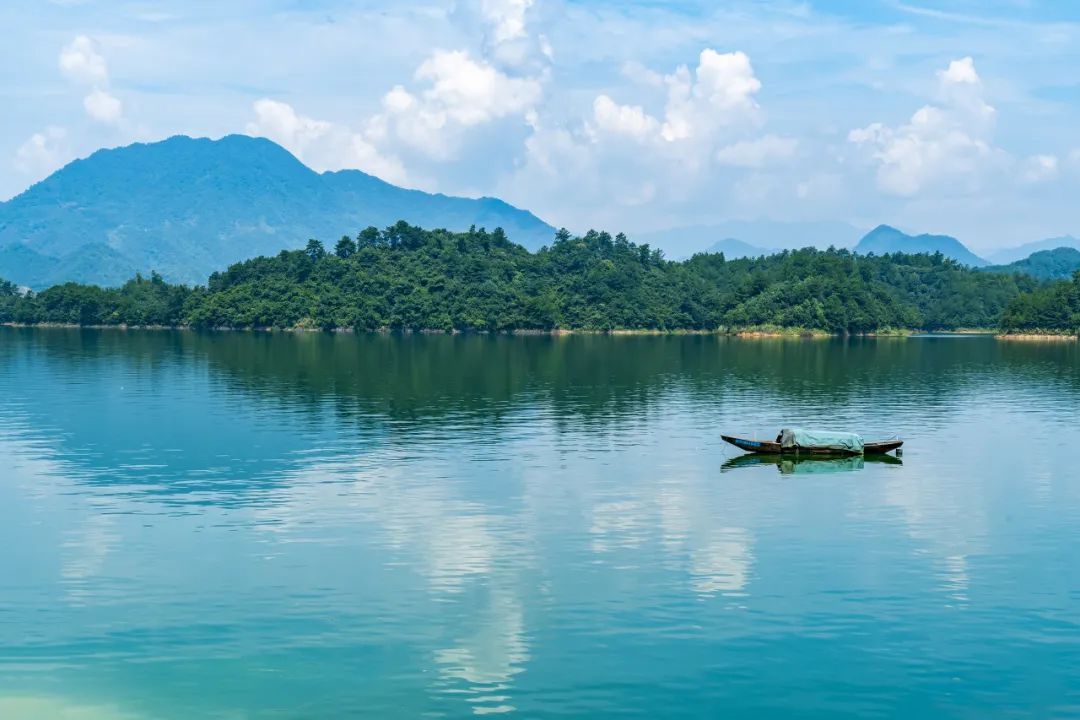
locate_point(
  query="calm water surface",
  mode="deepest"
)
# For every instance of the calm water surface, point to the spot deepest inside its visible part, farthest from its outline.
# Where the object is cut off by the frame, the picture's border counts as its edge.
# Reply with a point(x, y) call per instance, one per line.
point(254, 526)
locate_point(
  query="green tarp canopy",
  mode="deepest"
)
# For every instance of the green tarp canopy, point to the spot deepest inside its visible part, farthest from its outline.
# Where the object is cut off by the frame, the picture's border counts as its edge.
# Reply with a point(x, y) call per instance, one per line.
point(794, 438)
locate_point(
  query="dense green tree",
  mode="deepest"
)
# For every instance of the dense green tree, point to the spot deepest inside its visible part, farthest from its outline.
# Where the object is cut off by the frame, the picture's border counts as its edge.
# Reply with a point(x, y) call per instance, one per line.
point(315, 250)
point(405, 277)
point(1050, 308)
point(345, 247)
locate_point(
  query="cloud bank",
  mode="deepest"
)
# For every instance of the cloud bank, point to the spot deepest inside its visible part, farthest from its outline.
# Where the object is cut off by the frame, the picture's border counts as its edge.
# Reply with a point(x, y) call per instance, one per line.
point(623, 116)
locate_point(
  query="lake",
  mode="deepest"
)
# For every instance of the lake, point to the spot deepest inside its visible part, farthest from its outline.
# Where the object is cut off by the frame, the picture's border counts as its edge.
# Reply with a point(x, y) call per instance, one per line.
point(249, 526)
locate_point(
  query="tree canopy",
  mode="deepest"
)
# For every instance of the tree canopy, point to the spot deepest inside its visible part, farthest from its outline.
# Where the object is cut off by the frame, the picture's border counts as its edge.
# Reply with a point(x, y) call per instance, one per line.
point(405, 277)
point(1049, 308)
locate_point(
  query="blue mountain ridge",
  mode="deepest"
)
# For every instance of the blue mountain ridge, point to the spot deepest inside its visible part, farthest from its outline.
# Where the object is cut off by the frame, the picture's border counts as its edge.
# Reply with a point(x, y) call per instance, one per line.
point(186, 207)
point(734, 249)
point(885, 239)
point(1007, 256)
point(749, 238)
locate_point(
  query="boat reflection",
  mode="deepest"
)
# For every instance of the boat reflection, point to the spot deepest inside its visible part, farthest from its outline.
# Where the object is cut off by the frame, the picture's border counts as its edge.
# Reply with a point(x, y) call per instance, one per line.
point(808, 464)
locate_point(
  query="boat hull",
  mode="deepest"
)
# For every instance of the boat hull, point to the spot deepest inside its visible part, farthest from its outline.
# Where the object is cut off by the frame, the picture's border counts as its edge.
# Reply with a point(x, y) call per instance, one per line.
point(769, 447)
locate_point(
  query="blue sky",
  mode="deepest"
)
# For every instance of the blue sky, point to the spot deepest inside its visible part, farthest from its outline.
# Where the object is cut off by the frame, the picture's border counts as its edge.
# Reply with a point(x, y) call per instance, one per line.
point(950, 116)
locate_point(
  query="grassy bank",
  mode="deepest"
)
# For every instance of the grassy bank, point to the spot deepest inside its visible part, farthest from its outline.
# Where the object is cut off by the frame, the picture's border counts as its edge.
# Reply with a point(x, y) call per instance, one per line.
point(749, 333)
point(1039, 337)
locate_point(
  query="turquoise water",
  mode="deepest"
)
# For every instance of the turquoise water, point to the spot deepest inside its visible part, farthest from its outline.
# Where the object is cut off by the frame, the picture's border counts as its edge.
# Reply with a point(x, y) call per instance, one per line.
point(310, 526)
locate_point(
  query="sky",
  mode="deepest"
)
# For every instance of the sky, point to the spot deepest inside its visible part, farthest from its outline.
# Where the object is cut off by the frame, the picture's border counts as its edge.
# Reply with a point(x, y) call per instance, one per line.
point(947, 116)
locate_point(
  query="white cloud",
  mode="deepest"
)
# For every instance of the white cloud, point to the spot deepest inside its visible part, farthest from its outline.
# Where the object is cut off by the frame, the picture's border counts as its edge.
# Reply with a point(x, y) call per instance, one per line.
point(458, 93)
point(1040, 168)
point(470, 92)
point(717, 95)
point(81, 62)
point(280, 122)
point(507, 40)
point(452, 96)
point(688, 160)
point(757, 153)
point(42, 153)
point(623, 119)
point(506, 18)
point(320, 144)
point(960, 72)
point(949, 142)
point(721, 94)
point(103, 107)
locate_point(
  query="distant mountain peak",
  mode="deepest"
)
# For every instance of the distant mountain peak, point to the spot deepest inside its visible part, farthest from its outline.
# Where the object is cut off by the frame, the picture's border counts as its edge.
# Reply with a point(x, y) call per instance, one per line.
point(886, 239)
point(883, 228)
point(1010, 255)
point(187, 206)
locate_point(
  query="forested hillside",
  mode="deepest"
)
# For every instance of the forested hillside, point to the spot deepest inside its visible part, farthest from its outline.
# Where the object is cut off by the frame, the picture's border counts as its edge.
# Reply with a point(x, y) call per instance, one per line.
point(1050, 308)
point(1057, 264)
point(405, 277)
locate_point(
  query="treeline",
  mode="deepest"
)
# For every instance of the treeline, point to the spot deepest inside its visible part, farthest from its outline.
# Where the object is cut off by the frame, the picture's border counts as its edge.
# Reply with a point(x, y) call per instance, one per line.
point(139, 301)
point(405, 277)
point(1050, 308)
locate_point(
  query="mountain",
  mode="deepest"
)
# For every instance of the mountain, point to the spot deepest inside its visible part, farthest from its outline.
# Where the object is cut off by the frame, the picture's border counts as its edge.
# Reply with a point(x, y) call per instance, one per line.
point(186, 207)
point(733, 249)
point(885, 239)
point(1057, 264)
point(760, 236)
point(1011, 255)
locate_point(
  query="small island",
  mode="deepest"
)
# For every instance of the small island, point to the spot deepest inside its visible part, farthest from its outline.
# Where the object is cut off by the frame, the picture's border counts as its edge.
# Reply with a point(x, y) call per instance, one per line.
point(411, 279)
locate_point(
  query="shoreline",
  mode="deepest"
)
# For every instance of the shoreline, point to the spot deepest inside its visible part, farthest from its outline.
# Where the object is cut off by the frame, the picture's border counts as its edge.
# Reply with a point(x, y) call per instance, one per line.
point(1037, 337)
point(749, 333)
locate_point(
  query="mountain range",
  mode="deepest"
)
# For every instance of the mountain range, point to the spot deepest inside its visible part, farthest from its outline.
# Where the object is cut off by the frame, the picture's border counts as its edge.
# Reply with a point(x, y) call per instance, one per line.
point(771, 237)
point(1011, 255)
point(186, 207)
point(750, 238)
point(886, 239)
point(734, 248)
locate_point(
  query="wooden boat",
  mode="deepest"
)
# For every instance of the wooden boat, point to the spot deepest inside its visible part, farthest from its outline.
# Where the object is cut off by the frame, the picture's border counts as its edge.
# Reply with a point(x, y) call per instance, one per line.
point(773, 448)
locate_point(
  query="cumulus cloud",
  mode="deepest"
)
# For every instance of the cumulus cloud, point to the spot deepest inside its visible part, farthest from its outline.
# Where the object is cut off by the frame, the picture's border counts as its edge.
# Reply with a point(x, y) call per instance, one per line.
point(281, 123)
point(507, 39)
point(718, 94)
point(42, 153)
point(103, 107)
point(320, 144)
point(631, 120)
point(960, 72)
point(506, 18)
point(677, 148)
point(942, 142)
point(471, 92)
point(426, 122)
point(721, 93)
point(81, 63)
point(457, 93)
